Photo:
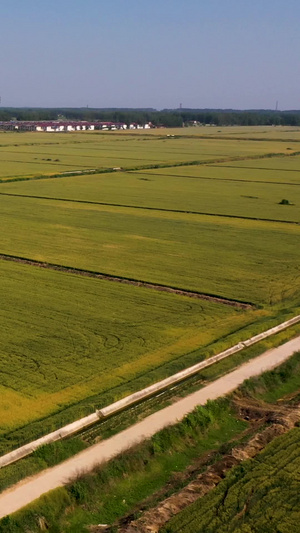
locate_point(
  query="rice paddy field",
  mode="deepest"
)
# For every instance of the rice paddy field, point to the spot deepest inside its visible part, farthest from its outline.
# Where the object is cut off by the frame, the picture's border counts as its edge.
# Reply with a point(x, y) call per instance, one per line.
point(260, 495)
point(69, 336)
point(204, 216)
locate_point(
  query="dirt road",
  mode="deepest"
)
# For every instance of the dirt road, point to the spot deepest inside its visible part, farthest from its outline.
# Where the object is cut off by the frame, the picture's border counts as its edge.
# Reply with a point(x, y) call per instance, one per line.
point(28, 490)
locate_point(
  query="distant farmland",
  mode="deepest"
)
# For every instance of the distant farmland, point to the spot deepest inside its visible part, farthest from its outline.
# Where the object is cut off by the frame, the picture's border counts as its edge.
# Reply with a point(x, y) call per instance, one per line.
point(207, 218)
point(34, 154)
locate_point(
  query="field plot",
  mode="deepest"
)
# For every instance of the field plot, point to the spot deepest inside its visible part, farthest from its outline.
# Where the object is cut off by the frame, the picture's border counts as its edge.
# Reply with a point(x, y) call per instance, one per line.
point(239, 198)
point(260, 495)
point(246, 260)
point(65, 337)
point(99, 152)
point(255, 132)
point(237, 171)
point(286, 133)
point(272, 164)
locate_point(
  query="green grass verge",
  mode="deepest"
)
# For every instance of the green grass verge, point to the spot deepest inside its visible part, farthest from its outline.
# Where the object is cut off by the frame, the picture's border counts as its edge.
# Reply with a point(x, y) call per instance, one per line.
point(275, 384)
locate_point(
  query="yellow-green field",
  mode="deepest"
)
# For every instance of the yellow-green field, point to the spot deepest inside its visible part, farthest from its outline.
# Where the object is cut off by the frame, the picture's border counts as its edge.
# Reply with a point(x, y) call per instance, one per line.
point(270, 165)
point(66, 337)
point(247, 260)
point(213, 225)
point(201, 190)
point(283, 170)
point(256, 132)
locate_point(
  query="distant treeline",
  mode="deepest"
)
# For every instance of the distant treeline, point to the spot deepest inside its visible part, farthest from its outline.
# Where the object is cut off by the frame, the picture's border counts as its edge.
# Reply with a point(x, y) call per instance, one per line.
point(166, 117)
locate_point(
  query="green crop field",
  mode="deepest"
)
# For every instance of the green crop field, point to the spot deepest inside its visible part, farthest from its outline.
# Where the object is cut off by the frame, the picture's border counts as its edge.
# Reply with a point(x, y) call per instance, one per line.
point(261, 495)
point(67, 338)
point(252, 132)
point(237, 171)
point(157, 191)
point(272, 165)
point(247, 260)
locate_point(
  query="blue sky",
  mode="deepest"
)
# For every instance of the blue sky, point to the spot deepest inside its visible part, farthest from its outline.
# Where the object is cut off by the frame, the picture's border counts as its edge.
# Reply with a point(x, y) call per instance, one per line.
point(150, 53)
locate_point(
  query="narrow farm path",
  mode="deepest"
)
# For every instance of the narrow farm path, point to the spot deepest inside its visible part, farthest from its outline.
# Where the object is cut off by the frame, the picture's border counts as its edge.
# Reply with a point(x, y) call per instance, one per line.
point(28, 490)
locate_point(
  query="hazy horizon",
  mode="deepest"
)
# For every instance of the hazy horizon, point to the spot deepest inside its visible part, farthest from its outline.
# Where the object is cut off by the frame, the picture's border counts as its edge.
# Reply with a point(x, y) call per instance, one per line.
point(217, 54)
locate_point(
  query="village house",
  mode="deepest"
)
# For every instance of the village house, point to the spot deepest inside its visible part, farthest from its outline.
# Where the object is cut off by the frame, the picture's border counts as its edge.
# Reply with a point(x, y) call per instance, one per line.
point(69, 125)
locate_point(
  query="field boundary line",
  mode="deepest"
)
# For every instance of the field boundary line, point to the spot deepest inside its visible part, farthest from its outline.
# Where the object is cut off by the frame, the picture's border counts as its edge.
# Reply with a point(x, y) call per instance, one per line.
point(255, 168)
point(224, 137)
point(128, 281)
point(185, 176)
point(149, 208)
point(138, 396)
